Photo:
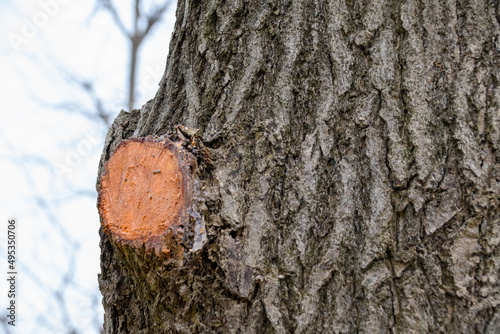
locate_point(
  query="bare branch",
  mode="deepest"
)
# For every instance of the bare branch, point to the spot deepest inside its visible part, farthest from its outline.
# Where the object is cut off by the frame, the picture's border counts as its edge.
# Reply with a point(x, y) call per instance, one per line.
point(137, 15)
point(155, 16)
point(87, 86)
point(103, 115)
point(37, 197)
point(108, 5)
point(3, 321)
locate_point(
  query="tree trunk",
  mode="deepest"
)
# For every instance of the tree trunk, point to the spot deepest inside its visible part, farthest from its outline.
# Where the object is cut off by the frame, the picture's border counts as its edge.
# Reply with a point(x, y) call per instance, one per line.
point(351, 179)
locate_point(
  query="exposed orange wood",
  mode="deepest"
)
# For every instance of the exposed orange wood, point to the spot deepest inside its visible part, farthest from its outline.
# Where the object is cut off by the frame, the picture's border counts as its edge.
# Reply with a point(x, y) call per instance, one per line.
point(142, 195)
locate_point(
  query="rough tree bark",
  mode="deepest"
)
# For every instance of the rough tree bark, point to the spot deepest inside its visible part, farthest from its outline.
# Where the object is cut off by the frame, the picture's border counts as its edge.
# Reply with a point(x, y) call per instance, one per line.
point(352, 184)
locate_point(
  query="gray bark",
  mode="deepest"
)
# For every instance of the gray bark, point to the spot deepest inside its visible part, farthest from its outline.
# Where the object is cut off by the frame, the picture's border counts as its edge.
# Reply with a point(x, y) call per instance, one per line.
point(354, 184)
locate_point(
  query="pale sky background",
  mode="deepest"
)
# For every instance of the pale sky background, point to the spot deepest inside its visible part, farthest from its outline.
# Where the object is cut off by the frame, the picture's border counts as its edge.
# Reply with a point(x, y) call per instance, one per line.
point(49, 157)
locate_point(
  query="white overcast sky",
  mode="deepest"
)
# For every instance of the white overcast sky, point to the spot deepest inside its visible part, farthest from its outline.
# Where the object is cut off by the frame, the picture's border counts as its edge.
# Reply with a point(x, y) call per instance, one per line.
point(32, 134)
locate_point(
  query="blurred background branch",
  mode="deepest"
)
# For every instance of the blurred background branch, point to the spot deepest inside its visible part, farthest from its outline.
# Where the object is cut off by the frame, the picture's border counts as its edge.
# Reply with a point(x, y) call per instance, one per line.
point(136, 35)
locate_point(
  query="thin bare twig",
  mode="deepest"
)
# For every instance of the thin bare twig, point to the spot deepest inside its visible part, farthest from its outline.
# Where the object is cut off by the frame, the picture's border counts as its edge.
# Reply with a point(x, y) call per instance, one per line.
point(108, 5)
